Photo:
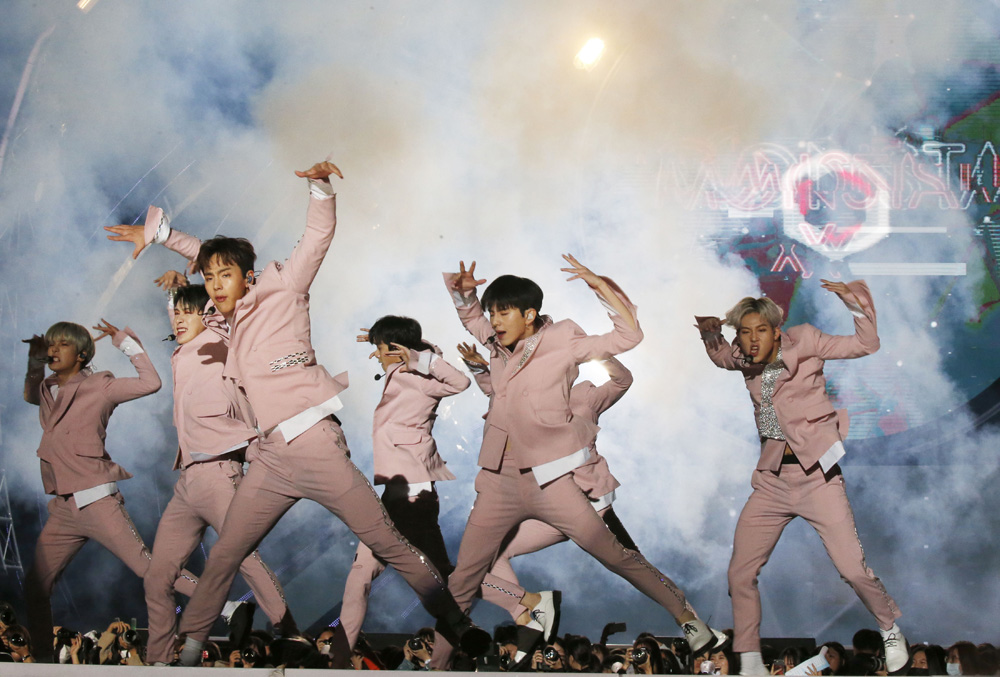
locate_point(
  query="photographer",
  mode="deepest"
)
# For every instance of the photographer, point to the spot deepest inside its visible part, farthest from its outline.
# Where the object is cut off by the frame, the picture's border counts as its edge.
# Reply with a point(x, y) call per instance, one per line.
point(418, 650)
point(644, 657)
point(120, 644)
point(550, 659)
point(17, 643)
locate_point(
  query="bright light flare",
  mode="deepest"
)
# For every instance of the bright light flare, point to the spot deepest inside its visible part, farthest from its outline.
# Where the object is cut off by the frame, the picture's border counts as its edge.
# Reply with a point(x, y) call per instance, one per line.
point(591, 53)
point(86, 5)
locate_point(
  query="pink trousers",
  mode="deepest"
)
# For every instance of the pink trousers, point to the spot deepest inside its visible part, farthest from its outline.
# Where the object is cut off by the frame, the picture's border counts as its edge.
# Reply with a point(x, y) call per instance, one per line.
point(501, 587)
point(507, 498)
point(315, 465)
point(65, 531)
point(778, 498)
point(201, 498)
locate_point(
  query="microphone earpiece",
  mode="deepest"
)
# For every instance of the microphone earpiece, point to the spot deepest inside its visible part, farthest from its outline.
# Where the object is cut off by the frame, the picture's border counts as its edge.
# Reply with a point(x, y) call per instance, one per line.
point(378, 377)
point(170, 337)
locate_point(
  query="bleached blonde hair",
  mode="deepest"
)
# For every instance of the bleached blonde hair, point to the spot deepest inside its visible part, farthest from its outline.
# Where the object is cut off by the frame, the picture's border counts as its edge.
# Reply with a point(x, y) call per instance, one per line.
point(77, 335)
point(765, 307)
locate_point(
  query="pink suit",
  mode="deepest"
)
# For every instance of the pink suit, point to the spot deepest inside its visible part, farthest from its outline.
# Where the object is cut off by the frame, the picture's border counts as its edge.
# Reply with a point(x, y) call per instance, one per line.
point(405, 455)
point(531, 444)
point(302, 451)
point(812, 488)
point(208, 425)
point(501, 586)
point(73, 459)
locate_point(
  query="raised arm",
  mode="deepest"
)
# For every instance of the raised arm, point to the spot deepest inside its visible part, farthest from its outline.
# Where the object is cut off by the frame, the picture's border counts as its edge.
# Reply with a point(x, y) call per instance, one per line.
point(479, 367)
point(120, 390)
point(604, 396)
point(462, 288)
point(720, 351)
point(858, 299)
point(302, 265)
point(38, 357)
point(156, 230)
point(444, 379)
point(625, 334)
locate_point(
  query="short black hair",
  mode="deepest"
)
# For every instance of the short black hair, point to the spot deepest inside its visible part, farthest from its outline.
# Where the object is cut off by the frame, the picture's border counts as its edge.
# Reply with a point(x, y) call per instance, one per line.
point(235, 251)
point(391, 329)
point(511, 291)
point(867, 641)
point(191, 298)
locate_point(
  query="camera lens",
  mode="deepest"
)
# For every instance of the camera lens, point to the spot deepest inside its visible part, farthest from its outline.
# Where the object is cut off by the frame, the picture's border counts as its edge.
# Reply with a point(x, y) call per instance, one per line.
point(7, 615)
point(65, 635)
point(504, 662)
point(415, 643)
point(640, 655)
point(130, 636)
point(17, 639)
point(551, 654)
point(250, 655)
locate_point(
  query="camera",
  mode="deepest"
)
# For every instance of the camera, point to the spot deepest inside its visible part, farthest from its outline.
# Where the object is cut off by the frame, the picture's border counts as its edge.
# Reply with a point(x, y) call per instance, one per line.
point(250, 655)
point(16, 639)
point(65, 635)
point(505, 662)
point(415, 643)
point(640, 655)
point(551, 654)
point(132, 637)
point(7, 615)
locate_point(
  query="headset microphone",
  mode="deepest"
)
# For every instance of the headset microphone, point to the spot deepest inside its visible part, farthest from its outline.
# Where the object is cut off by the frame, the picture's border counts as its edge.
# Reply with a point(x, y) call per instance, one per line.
point(170, 337)
point(378, 377)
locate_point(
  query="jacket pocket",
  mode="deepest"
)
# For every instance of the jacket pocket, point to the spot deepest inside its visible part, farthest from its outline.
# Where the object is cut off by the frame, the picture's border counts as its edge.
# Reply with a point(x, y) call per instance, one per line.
point(819, 410)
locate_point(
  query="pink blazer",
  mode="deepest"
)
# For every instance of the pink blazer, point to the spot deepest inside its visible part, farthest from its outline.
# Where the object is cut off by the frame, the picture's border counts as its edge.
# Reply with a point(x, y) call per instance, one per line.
point(531, 387)
point(74, 424)
point(588, 402)
point(206, 411)
point(402, 444)
point(805, 413)
point(270, 348)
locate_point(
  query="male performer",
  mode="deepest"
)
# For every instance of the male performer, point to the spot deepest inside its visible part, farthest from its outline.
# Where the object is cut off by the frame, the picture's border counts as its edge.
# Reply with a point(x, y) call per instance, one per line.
point(801, 441)
point(532, 441)
point(74, 407)
point(212, 439)
point(501, 587)
point(407, 463)
point(302, 451)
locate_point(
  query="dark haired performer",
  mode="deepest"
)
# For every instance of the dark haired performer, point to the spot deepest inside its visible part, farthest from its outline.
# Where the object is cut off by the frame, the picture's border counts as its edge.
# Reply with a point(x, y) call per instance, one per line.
point(532, 441)
point(801, 442)
point(74, 406)
point(212, 439)
point(302, 451)
point(407, 464)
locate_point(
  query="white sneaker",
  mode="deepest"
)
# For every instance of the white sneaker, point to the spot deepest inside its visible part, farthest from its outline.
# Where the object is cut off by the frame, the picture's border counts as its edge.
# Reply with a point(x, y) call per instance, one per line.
point(700, 637)
point(896, 653)
point(751, 663)
point(545, 615)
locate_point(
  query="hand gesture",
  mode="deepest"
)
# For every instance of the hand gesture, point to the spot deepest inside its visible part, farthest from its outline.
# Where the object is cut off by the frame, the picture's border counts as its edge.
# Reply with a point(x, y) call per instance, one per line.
point(75, 645)
point(581, 272)
point(106, 329)
point(811, 670)
point(363, 336)
point(842, 290)
point(470, 354)
point(465, 280)
point(711, 330)
point(320, 171)
point(38, 351)
point(778, 667)
point(126, 233)
point(118, 627)
point(235, 656)
point(537, 660)
point(170, 280)
point(401, 352)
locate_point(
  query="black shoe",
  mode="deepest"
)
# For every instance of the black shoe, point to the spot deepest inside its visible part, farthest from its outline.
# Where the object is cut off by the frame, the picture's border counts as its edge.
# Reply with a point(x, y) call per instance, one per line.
point(241, 623)
point(460, 631)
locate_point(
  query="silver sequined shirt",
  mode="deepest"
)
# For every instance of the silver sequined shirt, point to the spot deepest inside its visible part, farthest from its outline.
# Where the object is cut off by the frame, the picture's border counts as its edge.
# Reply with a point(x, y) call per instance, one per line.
point(767, 420)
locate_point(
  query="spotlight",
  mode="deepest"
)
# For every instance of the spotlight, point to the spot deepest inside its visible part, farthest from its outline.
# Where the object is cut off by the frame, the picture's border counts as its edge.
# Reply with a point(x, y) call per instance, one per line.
point(590, 54)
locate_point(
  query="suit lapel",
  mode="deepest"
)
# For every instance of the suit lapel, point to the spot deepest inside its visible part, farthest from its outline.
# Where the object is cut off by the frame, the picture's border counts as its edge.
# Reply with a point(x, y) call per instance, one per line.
point(530, 347)
point(63, 399)
point(790, 355)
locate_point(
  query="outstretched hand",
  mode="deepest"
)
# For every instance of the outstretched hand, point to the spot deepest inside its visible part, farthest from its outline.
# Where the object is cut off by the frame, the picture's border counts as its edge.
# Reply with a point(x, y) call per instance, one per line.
point(711, 330)
point(470, 354)
point(106, 329)
point(126, 233)
point(170, 280)
point(320, 171)
point(465, 280)
point(363, 336)
point(581, 272)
